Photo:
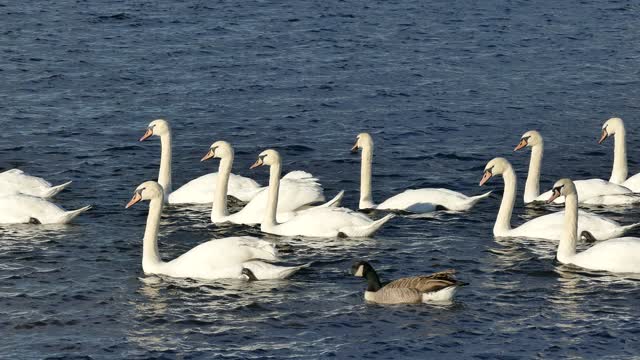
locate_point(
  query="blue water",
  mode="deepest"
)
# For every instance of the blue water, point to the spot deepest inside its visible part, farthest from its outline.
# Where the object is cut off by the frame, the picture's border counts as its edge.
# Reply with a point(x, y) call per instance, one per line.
point(442, 86)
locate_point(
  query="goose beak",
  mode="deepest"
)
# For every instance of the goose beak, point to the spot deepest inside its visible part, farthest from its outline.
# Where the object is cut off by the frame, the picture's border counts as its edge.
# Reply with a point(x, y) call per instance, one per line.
point(135, 199)
point(604, 137)
point(487, 175)
point(256, 164)
point(147, 134)
point(521, 144)
point(554, 195)
point(354, 149)
point(208, 155)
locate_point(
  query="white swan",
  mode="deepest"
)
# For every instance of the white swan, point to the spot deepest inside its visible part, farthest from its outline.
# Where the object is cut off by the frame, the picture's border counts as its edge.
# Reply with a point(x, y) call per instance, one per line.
point(316, 222)
point(615, 126)
point(621, 255)
point(592, 191)
point(415, 201)
point(215, 259)
point(298, 190)
point(544, 227)
point(15, 181)
point(201, 189)
point(23, 209)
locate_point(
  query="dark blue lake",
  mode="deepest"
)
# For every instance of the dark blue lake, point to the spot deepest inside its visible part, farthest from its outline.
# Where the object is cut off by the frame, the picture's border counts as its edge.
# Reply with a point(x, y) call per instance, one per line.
point(442, 86)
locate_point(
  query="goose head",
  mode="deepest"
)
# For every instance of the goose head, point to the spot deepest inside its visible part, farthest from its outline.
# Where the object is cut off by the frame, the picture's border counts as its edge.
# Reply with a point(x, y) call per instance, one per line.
point(494, 167)
point(148, 190)
point(157, 127)
point(361, 268)
point(268, 157)
point(610, 127)
point(531, 138)
point(363, 140)
point(219, 149)
point(562, 187)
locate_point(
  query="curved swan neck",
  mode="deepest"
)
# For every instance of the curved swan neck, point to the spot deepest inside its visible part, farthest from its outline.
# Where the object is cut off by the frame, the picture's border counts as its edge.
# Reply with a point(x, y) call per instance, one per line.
point(567, 246)
point(620, 170)
point(366, 200)
point(219, 208)
point(532, 186)
point(269, 219)
point(503, 221)
point(150, 254)
point(164, 177)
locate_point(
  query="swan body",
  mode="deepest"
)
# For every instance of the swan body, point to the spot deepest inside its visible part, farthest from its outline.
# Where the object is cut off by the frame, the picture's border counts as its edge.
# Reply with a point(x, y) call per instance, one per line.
point(315, 222)
point(592, 191)
point(23, 209)
point(299, 190)
point(415, 201)
point(620, 255)
point(201, 189)
point(215, 259)
point(15, 181)
point(438, 287)
point(549, 226)
point(615, 127)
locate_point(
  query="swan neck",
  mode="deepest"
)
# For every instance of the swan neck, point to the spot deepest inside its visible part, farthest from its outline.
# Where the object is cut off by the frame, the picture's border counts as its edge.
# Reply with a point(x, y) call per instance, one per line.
point(532, 186)
point(219, 208)
point(366, 200)
point(620, 170)
point(150, 254)
point(272, 202)
point(164, 177)
point(567, 246)
point(503, 221)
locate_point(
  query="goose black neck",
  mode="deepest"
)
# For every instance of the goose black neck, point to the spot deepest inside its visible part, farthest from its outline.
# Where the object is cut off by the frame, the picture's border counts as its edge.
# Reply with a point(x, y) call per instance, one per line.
point(373, 282)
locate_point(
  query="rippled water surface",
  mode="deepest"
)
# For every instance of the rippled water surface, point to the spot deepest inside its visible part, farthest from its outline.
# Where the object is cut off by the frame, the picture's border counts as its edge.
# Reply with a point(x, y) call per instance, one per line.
point(442, 86)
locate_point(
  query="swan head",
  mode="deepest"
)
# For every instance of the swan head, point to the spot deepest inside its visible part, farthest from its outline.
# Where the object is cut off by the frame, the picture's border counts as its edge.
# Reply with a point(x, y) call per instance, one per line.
point(361, 268)
point(157, 127)
point(363, 140)
point(268, 157)
point(148, 190)
point(562, 187)
point(219, 149)
point(531, 138)
point(496, 166)
point(610, 127)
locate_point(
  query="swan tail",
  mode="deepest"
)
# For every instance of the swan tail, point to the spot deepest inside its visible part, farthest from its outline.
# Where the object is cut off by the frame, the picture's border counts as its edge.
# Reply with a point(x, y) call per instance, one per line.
point(287, 271)
point(367, 230)
point(54, 190)
point(474, 199)
point(70, 215)
point(335, 202)
point(626, 229)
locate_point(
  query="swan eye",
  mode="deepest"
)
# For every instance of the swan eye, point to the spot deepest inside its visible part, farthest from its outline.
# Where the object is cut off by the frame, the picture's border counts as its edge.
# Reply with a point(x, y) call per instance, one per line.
point(489, 170)
point(261, 157)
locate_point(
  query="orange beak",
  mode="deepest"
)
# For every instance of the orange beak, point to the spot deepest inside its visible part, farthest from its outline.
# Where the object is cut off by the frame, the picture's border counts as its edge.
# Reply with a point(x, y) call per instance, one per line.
point(521, 144)
point(256, 164)
point(554, 195)
point(135, 199)
point(146, 135)
point(604, 136)
point(354, 149)
point(208, 155)
point(487, 175)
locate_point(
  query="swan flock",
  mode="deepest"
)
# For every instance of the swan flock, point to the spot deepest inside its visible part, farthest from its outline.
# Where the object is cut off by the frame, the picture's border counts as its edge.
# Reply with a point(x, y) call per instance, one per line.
point(295, 205)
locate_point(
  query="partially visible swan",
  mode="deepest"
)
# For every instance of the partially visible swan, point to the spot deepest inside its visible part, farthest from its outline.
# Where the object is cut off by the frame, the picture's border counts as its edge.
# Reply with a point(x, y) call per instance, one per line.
point(621, 255)
point(415, 201)
point(297, 193)
point(316, 222)
point(199, 190)
point(15, 181)
point(615, 126)
point(23, 209)
point(215, 259)
point(544, 227)
point(592, 191)
point(438, 287)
